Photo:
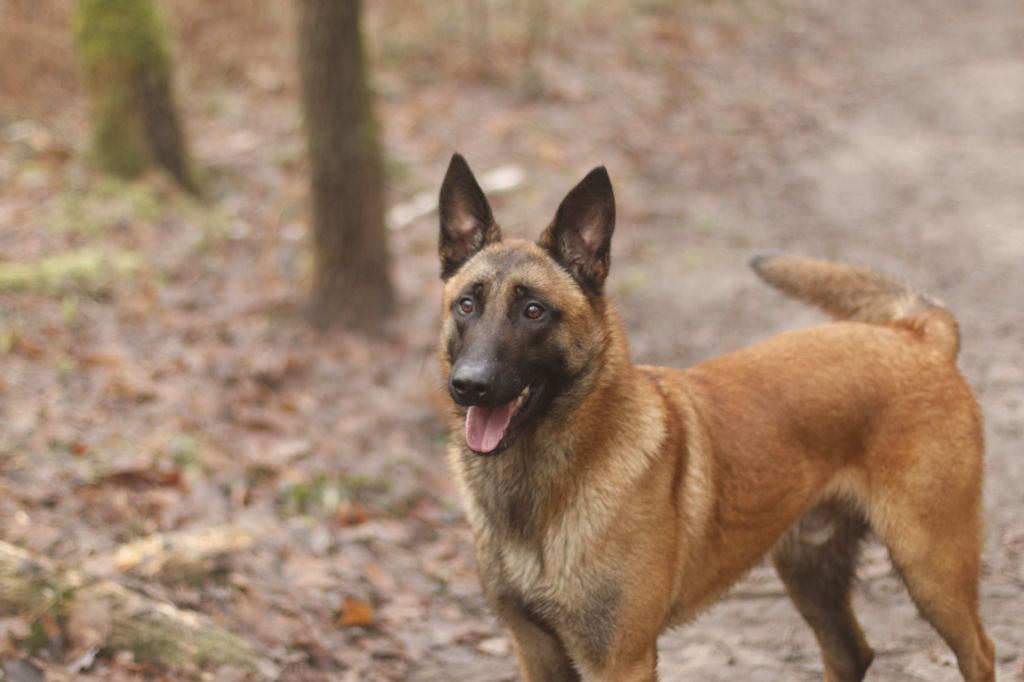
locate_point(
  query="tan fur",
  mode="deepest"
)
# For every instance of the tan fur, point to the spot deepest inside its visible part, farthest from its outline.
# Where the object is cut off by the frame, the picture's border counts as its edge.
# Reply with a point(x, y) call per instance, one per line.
point(643, 493)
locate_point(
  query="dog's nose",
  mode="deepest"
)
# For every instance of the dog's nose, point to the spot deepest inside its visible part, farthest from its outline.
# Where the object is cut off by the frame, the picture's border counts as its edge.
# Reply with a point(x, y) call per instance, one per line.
point(470, 384)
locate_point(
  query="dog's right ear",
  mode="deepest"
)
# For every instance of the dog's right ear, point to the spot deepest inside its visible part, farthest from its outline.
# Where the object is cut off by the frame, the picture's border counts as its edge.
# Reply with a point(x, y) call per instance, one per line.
point(467, 224)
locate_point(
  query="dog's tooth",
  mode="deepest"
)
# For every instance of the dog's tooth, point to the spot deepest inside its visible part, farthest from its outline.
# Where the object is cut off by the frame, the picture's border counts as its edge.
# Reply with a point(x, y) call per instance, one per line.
point(522, 398)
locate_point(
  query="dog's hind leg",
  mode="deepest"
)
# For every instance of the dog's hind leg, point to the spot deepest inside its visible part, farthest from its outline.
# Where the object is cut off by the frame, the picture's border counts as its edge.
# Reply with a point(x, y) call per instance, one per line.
point(816, 560)
point(937, 549)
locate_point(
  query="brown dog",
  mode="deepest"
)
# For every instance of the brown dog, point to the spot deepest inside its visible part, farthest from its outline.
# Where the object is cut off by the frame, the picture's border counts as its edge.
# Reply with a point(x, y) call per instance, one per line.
point(610, 501)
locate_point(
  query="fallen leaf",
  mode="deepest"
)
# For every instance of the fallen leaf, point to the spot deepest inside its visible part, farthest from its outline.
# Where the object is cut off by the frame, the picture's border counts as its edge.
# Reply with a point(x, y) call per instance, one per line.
point(26, 347)
point(286, 450)
point(307, 572)
point(143, 477)
point(355, 612)
point(380, 579)
point(50, 626)
point(350, 513)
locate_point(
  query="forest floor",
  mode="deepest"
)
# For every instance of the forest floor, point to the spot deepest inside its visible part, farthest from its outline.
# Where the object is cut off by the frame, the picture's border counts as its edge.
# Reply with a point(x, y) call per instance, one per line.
point(157, 375)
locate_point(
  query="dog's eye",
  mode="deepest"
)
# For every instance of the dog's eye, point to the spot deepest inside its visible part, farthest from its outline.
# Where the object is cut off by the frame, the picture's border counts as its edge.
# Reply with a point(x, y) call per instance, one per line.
point(534, 311)
point(466, 305)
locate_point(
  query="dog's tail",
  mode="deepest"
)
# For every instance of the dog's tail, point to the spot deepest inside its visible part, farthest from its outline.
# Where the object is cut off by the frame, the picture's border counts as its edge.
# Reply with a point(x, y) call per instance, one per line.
point(849, 293)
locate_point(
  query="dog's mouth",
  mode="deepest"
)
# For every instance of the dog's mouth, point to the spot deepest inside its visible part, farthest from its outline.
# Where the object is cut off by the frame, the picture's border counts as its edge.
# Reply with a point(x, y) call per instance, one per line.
point(489, 430)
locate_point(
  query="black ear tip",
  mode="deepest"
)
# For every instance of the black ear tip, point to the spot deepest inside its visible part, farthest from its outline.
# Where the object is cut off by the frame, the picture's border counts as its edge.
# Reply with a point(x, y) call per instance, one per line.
point(459, 170)
point(458, 162)
point(598, 177)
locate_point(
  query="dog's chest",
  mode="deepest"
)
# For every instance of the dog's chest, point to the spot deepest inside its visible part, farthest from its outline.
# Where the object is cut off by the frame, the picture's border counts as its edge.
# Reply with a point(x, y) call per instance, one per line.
point(522, 567)
point(539, 543)
point(558, 565)
point(575, 593)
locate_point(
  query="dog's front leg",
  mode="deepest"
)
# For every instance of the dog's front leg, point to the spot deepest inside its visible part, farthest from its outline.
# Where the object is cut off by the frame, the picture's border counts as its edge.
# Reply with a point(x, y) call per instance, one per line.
point(540, 652)
point(619, 644)
point(642, 667)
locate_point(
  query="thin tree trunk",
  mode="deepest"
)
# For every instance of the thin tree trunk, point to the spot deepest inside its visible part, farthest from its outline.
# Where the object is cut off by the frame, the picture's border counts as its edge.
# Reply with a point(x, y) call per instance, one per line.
point(350, 274)
point(537, 20)
point(127, 66)
point(478, 31)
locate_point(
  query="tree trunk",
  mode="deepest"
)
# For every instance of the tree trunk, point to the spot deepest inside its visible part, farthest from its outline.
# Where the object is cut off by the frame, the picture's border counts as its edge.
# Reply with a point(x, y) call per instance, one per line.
point(127, 66)
point(350, 274)
point(537, 21)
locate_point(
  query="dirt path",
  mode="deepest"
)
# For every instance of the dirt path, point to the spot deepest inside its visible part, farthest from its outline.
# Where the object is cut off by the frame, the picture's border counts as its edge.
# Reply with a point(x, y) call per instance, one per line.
point(919, 171)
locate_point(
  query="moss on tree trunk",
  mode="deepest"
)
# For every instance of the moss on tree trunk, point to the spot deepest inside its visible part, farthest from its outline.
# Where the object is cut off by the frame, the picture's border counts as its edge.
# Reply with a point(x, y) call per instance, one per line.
point(350, 277)
point(127, 67)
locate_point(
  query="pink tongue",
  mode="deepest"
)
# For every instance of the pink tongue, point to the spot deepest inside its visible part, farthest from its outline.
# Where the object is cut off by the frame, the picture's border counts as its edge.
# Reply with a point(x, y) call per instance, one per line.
point(486, 425)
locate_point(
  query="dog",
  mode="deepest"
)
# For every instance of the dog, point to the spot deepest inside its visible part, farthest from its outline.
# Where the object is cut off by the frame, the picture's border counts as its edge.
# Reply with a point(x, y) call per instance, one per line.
point(610, 501)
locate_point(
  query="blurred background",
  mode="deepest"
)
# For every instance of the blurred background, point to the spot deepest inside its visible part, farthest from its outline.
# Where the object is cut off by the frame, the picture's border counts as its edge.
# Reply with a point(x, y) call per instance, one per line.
point(221, 424)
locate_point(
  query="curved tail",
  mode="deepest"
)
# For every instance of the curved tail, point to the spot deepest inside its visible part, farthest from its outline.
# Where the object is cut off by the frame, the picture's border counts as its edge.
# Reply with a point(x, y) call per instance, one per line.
point(850, 293)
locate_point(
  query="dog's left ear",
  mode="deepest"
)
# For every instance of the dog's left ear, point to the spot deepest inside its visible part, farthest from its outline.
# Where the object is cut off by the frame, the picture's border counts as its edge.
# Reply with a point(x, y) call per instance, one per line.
point(467, 224)
point(580, 236)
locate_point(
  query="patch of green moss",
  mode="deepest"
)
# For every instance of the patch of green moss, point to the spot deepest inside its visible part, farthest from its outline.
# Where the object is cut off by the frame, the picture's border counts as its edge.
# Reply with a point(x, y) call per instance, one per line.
point(186, 452)
point(85, 267)
point(129, 30)
point(7, 338)
point(121, 44)
point(112, 200)
point(117, 145)
point(139, 196)
point(323, 494)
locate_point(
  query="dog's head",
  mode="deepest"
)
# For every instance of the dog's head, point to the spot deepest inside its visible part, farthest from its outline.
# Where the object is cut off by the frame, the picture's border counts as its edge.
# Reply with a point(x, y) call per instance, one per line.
point(522, 321)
